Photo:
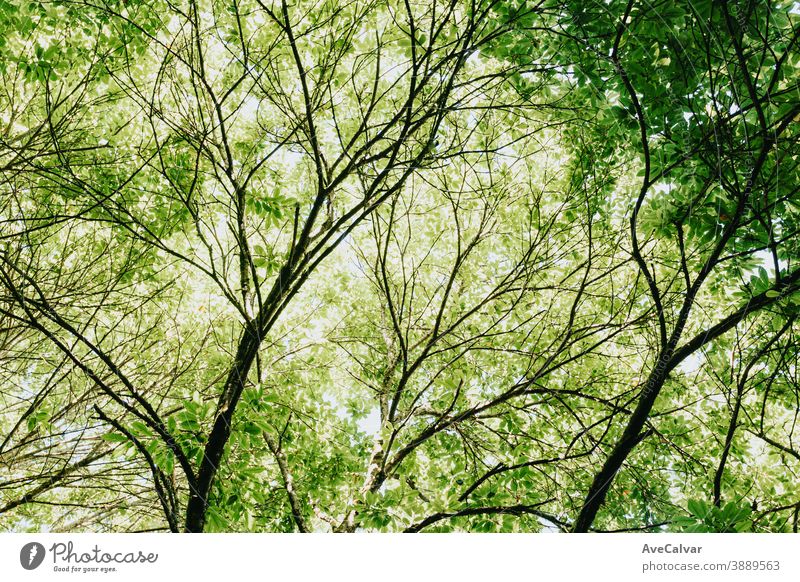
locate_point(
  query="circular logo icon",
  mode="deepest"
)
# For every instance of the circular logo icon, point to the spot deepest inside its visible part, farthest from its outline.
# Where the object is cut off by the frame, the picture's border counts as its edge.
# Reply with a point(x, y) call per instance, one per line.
point(31, 555)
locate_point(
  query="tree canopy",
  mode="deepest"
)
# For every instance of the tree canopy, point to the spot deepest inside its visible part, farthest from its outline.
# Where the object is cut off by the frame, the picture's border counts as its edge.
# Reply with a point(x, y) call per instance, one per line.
point(380, 265)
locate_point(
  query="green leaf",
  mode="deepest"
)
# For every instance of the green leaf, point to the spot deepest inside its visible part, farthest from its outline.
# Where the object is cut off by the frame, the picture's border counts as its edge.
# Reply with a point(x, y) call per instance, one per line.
point(698, 508)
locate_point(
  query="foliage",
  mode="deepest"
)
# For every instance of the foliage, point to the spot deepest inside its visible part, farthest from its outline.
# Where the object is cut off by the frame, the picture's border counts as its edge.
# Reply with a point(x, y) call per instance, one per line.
point(399, 266)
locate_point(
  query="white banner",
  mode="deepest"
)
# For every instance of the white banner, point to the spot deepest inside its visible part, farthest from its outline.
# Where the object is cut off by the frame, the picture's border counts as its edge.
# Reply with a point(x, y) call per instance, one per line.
point(398, 557)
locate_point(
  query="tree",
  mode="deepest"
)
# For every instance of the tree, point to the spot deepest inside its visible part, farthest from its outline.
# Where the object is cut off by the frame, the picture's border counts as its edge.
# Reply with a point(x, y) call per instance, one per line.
point(735, 101)
point(399, 266)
